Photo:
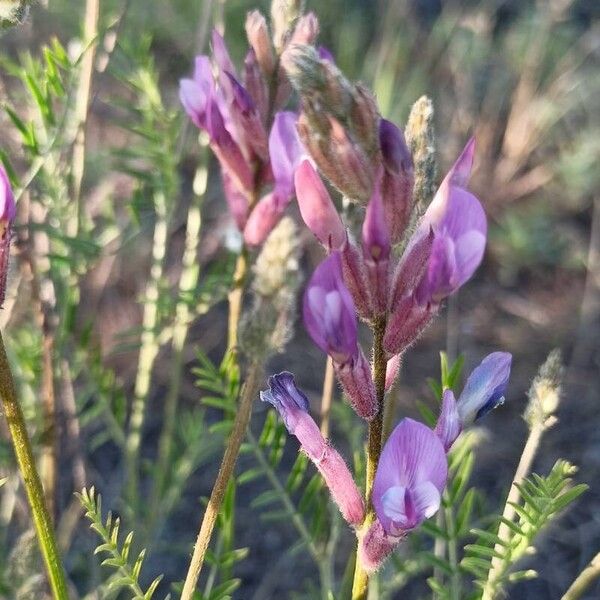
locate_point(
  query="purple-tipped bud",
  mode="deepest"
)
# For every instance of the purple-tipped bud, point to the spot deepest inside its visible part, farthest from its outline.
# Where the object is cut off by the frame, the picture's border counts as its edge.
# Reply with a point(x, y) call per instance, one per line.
point(292, 405)
point(391, 370)
point(406, 324)
point(375, 546)
point(8, 211)
point(485, 387)
point(397, 180)
point(356, 278)
point(357, 382)
point(317, 208)
point(460, 227)
point(306, 30)
point(325, 54)
point(410, 478)
point(483, 392)
point(376, 251)
point(260, 41)
point(329, 314)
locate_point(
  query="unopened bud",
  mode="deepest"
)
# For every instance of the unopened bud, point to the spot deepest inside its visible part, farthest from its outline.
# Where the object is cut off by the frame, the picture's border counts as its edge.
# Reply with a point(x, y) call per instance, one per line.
point(260, 41)
point(420, 136)
point(284, 14)
point(255, 84)
point(306, 30)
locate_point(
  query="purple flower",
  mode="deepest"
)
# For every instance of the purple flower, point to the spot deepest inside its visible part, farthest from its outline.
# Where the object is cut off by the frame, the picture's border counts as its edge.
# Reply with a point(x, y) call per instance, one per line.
point(317, 208)
point(8, 211)
point(483, 392)
point(8, 208)
point(460, 228)
point(292, 405)
point(410, 478)
point(329, 314)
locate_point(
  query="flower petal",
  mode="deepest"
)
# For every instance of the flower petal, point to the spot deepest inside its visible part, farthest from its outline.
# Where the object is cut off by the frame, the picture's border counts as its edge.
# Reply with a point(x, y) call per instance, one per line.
point(413, 459)
point(485, 387)
point(448, 427)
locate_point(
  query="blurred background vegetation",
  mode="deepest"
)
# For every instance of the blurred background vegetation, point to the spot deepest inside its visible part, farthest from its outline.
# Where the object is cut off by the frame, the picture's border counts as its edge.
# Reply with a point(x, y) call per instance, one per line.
point(522, 75)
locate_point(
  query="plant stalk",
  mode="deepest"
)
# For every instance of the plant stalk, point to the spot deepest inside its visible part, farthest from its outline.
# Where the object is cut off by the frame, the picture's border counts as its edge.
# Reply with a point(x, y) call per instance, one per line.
point(31, 480)
point(584, 580)
point(327, 396)
point(360, 587)
point(236, 297)
point(240, 424)
point(529, 452)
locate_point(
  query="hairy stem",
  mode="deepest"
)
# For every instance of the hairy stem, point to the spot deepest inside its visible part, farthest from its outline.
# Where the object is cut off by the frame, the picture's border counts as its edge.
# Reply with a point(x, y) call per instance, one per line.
point(584, 580)
point(31, 480)
point(240, 424)
point(498, 566)
point(360, 586)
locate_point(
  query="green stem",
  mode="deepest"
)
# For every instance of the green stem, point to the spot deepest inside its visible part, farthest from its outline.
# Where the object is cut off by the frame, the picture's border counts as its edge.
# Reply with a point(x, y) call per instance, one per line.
point(31, 480)
point(187, 284)
point(149, 348)
point(360, 586)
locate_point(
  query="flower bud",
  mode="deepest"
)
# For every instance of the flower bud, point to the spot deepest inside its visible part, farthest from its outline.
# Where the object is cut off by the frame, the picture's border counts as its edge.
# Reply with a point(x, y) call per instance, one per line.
point(376, 251)
point(284, 14)
point(260, 41)
point(306, 30)
point(317, 208)
point(263, 218)
point(375, 546)
point(397, 179)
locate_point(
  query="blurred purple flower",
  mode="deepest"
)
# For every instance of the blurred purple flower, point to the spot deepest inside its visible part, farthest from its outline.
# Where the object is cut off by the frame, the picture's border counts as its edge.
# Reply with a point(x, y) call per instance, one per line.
point(483, 392)
point(329, 313)
point(8, 211)
point(410, 478)
point(292, 405)
point(8, 208)
point(286, 152)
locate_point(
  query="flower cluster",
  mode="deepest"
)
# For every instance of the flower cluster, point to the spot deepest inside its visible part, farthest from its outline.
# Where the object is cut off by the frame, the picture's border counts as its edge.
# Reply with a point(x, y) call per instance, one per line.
point(256, 143)
point(412, 470)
